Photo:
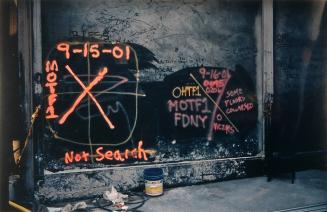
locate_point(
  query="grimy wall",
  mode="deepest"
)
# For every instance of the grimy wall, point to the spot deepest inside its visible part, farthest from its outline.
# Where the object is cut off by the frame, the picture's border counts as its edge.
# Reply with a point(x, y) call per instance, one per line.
point(129, 84)
point(300, 76)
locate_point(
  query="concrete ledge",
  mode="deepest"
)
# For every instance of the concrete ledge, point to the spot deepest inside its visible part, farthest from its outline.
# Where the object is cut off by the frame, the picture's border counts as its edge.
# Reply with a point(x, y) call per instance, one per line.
point(81, 184)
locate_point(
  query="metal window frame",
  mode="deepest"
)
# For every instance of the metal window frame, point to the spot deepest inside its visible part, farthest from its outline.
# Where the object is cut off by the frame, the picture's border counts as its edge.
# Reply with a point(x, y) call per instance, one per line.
point(30, 63)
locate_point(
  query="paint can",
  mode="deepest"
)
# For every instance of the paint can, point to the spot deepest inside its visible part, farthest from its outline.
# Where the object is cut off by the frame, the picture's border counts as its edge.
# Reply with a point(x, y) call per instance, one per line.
point(153, 178)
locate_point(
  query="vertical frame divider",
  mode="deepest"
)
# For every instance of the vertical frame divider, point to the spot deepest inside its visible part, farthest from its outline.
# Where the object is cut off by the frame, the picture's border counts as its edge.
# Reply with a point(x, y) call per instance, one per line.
point(37, 87)
point(268, 73)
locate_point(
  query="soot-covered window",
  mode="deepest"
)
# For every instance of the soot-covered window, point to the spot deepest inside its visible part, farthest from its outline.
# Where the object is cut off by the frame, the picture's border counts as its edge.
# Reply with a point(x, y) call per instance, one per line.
point(130, 82)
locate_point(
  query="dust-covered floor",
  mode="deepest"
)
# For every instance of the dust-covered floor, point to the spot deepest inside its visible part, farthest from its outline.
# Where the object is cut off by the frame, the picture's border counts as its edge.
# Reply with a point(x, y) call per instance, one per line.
point(252, 194)
point(309, 192)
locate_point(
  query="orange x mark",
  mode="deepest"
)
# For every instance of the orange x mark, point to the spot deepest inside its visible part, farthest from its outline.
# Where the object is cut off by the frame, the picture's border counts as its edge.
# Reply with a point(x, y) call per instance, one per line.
point(87, 89)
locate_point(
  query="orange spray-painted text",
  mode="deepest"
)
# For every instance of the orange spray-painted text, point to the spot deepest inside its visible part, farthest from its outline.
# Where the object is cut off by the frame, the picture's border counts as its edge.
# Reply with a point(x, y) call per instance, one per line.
point(112, 155)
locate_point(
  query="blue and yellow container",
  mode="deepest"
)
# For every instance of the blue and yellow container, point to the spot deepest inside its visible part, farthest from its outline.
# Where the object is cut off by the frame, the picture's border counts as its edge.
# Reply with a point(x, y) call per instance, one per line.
point(153, 178)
